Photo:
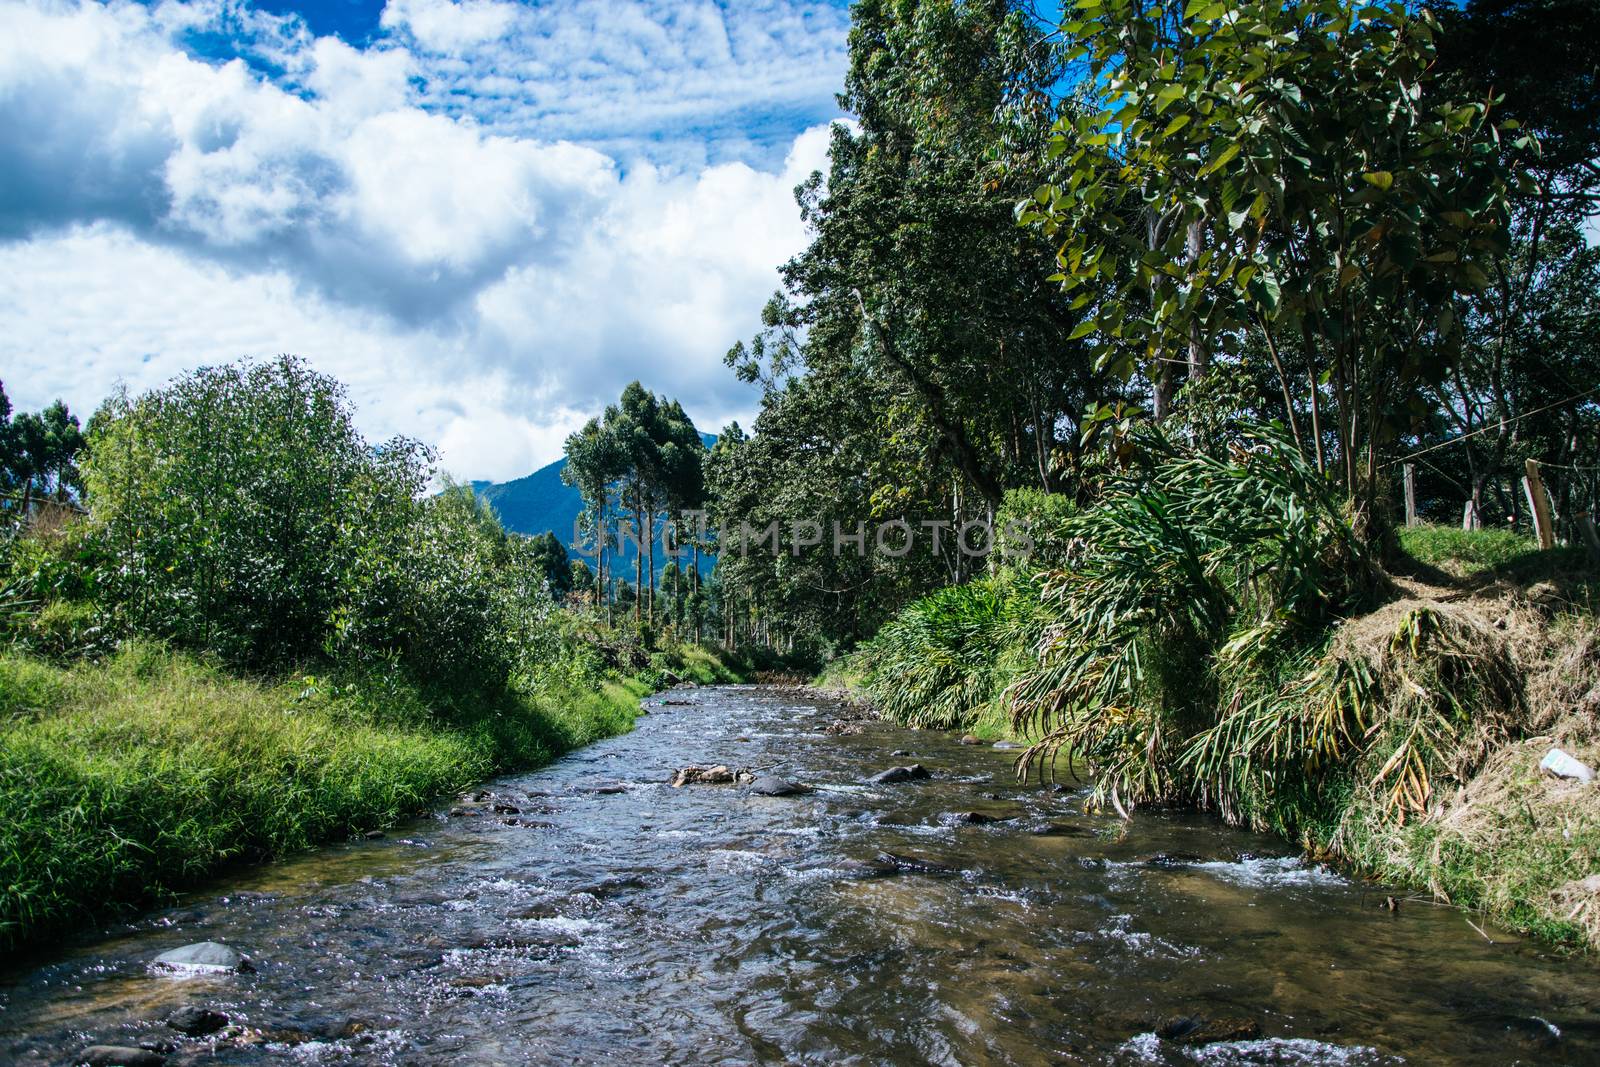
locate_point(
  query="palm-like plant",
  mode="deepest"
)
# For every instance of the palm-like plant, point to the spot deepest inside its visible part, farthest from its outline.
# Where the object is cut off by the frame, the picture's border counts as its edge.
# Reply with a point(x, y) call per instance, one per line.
point(1191, 567)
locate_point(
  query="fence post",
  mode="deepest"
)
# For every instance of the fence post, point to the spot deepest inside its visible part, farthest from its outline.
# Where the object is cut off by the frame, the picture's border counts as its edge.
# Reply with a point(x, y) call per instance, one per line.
point(1539, 505)
point(1410, 472)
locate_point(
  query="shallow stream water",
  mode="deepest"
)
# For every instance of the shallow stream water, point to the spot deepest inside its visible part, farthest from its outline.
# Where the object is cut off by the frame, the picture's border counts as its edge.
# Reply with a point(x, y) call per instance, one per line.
point(859, 923)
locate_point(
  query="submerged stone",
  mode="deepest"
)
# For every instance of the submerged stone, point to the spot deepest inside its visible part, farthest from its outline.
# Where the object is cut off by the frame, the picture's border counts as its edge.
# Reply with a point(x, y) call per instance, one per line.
point(120, 1056)
point(1188, 1030)
point(196, 1021)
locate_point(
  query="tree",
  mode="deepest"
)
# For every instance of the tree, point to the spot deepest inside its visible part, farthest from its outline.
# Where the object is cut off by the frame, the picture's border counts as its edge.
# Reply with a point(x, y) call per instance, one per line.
point(551, 563)
point(1531, 333)
point(1298, 177)
point(593, 465)
point(228, 497)
point(645, 453)
point(39, 452)
point(917, 289)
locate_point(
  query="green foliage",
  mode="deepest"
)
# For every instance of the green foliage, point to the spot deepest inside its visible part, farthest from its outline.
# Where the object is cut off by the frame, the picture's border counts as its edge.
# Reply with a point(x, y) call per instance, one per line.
point(1030, 528)
point(38, 454)
point(1286, 168)
point(231, 499)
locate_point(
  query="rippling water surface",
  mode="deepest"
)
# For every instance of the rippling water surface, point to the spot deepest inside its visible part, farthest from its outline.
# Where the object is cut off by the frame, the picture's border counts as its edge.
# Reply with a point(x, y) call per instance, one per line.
point(859, 923)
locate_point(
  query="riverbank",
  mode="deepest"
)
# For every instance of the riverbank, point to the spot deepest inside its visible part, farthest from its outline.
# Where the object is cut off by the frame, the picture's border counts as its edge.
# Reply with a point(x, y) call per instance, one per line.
point(126, 779)
point(1483, 656)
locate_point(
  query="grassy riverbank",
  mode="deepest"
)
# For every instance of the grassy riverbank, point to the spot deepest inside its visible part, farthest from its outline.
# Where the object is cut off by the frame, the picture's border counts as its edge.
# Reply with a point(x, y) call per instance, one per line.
point(125, 779)
point(1424, 715)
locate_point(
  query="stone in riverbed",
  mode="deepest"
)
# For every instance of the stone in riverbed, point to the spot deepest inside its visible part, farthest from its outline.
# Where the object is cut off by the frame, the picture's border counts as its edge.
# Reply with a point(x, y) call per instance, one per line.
point(911, 773)
point(972, 818)
point(718, 775)
point(204, 957)
point(771, 785)
point(119, 1056)
point(1007, 746)
point(197, 1021)
point(971, 739)
point(915, 864)
point(1188, 1030)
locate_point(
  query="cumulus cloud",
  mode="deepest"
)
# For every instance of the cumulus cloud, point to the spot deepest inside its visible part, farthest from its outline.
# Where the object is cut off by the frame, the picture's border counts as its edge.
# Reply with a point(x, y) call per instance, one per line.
point(480, 281)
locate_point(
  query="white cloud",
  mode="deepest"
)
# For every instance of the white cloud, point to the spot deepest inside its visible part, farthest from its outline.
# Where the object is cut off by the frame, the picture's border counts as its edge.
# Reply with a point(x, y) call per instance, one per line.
point(448, 26)
point(477, 286)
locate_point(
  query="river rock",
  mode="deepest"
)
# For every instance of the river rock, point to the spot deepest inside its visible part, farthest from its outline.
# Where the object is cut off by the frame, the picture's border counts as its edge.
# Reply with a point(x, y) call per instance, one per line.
point(916, 864)
point(910, 773)
point(1007, 746)
point(972, 818)
point(901, 753)
point(1188, 1030)
point(971, 739)
point(197, 1021)
point(204, 957)
point(771, 785)
point(843, 728)
point(692, 775)
point(1060, 829)
point(882, 868)
point(120, 1056)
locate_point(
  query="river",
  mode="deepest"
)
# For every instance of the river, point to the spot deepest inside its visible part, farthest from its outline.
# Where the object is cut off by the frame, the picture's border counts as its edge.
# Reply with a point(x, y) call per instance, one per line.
point(859, 923)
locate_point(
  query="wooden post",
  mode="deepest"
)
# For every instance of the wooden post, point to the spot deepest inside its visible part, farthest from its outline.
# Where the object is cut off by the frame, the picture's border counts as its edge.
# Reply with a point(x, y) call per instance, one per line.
point(1539, 505)
point(1591, 540)
point(1410, 471)
point(1469, 517)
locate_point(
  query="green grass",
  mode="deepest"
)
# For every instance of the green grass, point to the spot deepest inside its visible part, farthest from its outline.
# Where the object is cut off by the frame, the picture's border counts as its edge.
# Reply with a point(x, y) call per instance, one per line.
point(124, 780)
point(1464, 553)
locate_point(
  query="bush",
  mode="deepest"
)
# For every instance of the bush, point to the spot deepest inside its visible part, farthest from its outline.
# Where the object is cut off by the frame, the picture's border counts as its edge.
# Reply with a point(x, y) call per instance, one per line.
point(245, 516)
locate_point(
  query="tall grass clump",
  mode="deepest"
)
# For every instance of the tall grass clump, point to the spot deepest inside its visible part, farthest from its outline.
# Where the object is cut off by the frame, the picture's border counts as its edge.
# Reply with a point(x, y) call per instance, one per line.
point(944, 659)
point(1192, 569)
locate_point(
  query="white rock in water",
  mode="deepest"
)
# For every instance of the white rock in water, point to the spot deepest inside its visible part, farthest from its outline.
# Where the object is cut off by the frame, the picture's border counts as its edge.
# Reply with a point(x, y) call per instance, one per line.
point(205, 957)
point(1563, 765)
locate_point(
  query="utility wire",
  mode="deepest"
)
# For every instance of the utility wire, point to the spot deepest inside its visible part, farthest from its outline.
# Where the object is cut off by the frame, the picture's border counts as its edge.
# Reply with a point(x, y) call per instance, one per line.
point(1495, 426)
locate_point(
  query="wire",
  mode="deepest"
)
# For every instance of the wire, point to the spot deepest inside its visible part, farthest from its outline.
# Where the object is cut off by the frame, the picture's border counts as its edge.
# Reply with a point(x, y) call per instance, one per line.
point(1495, 426)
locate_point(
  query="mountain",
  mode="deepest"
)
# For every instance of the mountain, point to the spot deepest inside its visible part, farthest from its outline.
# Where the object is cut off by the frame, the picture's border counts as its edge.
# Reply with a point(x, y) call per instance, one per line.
point(535, 503)
point(541, 501)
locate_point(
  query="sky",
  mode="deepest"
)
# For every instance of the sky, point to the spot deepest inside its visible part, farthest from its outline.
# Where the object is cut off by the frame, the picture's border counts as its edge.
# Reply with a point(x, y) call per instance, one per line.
point(485, 217)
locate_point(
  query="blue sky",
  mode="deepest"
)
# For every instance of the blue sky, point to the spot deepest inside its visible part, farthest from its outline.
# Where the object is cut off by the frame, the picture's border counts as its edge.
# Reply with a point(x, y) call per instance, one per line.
point(486, 216)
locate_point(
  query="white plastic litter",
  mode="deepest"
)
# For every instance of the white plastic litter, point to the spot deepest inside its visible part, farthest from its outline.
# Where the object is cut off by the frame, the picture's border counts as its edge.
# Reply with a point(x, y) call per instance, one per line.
point(1563, 765)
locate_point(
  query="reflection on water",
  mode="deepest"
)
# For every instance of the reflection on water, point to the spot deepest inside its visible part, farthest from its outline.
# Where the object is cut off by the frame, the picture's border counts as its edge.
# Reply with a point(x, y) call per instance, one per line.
point(858, 923)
